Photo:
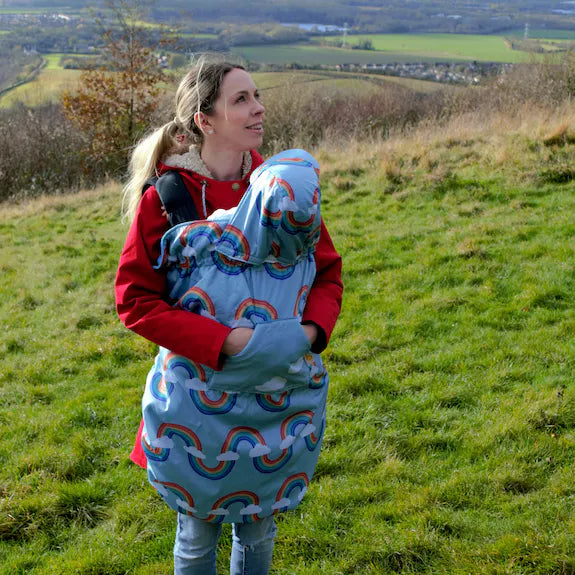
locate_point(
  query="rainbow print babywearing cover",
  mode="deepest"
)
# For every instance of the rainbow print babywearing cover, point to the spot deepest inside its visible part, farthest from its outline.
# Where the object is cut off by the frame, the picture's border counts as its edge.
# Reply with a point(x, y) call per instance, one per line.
point(242, 443)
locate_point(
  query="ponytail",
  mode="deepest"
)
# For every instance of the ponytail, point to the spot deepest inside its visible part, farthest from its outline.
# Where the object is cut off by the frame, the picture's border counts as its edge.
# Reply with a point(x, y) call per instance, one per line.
point(143, 162)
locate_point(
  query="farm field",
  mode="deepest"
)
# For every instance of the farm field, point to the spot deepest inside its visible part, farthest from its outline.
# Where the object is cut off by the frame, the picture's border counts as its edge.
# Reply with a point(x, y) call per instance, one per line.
point(391, 48)
point(444, 46)
point(47, 87)
point(451, 416)
point(310, 55)
point(53, 79)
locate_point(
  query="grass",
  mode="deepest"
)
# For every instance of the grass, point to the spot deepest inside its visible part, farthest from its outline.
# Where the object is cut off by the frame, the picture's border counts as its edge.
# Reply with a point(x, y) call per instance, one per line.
point(307, 54)
point(392, 48)
point(451, 430)
point(47, 87)
point(53, 79)
point(443, 46)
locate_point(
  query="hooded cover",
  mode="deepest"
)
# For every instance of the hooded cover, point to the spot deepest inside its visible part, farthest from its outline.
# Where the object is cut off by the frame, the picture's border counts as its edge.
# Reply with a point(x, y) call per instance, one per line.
point(242, 443)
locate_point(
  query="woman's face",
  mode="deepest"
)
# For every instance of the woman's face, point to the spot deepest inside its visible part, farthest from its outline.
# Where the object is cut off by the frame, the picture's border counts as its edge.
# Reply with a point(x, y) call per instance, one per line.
point(237, 120)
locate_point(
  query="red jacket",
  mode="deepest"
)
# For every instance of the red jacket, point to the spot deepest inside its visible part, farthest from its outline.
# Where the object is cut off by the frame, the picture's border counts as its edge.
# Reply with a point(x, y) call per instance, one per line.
point(141, 292)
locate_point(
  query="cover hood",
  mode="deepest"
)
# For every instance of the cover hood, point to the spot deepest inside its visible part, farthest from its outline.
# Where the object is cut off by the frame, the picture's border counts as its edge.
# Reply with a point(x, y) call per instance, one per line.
point(278, 219)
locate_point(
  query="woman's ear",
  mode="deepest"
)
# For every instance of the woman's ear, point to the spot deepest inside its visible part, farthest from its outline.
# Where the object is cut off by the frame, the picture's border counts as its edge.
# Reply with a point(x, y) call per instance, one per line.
point(203, 123)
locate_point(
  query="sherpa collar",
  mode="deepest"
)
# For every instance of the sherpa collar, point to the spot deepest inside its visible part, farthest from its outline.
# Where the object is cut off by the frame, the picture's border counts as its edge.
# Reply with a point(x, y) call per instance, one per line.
point(192, 161)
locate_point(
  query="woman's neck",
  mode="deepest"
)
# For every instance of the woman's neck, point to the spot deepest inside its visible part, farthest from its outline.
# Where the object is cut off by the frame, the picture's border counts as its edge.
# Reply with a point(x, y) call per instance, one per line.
point(223, 164)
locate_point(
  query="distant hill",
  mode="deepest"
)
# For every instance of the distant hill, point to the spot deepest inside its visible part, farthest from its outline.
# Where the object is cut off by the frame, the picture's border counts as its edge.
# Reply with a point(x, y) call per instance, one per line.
point(479, 16)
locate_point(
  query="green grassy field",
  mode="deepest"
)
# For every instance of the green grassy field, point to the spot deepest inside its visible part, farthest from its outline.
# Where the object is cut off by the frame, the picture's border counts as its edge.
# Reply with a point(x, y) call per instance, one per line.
point(392, 48)
point(307, 54)
point(443, 46)
point(53, 79)
point(47, 87)
point(451, 420)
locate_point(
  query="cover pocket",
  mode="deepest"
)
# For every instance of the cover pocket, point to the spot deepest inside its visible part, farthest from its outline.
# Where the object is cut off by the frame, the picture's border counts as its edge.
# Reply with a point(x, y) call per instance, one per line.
point(272, 361)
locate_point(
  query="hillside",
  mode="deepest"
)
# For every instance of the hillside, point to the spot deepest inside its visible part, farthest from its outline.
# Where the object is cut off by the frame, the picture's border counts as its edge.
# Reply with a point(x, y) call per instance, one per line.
point(451, 422)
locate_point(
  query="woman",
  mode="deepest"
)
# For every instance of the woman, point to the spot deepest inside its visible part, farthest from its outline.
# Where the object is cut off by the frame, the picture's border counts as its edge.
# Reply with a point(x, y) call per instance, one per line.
point(218, 110)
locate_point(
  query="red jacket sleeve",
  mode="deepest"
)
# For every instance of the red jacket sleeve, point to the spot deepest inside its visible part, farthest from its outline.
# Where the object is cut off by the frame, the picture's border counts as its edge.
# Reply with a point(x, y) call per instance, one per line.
point(141, 293)
point(324, 301)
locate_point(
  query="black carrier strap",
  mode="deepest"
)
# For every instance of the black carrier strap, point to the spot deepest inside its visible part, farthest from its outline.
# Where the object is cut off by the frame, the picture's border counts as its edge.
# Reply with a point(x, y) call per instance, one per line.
point(175, 197)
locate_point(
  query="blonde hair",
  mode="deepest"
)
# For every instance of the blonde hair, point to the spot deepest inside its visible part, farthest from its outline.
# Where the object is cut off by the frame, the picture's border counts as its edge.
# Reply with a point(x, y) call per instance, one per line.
point(197, 92)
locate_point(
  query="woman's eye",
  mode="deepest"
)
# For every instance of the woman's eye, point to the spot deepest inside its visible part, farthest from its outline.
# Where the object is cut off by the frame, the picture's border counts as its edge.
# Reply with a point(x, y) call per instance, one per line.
point(241, 99)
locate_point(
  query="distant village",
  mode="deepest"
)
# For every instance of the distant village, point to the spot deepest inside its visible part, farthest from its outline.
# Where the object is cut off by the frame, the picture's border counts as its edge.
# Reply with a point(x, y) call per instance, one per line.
point(444, 72)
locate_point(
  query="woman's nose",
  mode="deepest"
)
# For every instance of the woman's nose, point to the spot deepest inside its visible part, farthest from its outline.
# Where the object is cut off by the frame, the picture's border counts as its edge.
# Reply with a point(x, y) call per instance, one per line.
point(258, 108)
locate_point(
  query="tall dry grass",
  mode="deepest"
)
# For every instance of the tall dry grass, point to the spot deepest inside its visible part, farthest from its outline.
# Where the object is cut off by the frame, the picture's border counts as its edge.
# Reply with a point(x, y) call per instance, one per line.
point(41, 150)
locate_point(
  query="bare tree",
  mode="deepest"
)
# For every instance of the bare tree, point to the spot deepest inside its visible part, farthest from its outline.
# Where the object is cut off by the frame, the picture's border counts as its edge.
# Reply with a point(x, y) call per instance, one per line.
point(115, 101)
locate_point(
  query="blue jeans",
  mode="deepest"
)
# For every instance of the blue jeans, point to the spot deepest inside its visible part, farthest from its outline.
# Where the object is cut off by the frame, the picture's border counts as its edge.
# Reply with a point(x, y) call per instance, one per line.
point(197, 541)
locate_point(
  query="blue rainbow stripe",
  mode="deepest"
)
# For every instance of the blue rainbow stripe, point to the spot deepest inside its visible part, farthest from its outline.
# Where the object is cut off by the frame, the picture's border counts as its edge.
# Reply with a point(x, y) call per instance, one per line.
point(270, 403)
point(159, 388)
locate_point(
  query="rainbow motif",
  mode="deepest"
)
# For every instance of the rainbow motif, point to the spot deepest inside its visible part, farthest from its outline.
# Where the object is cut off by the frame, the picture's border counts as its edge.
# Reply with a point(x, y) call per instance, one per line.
point(284, 185)
point(180, 493)
point(315, 199)
point(235, 265)
point(224, 403)
point(318, 380)
point(195, 230)
point(279, 271)
point(267, 217)
point(247, 498)
point(259, 452)
point(159, 388)
point(275, 269)
point(197, 300)
point(153, 453)
point(195, 455)
point(318, 374)
point(193, 370)
point(186, 266)
point(299, 481)
point(294, 161)
point(300, 301)
point(172, 430)
point(290, 424)
point(265, 464)
point(293, 226)
point(239, 434)
point(256, 310)
point(312, 440)
point(270, 403)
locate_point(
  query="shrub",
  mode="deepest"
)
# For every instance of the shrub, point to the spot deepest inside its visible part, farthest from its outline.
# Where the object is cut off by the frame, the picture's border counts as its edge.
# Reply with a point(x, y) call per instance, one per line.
point(40, 153)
